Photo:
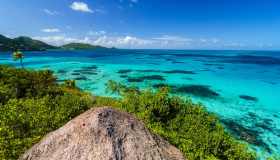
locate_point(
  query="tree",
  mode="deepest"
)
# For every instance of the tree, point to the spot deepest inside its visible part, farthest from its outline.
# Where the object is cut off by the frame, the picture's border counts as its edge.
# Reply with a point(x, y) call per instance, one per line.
point(18, 55)
point(70, 83)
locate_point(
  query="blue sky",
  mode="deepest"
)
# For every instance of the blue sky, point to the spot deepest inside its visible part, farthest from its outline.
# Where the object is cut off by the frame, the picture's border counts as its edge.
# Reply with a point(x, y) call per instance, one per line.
point(174, 24)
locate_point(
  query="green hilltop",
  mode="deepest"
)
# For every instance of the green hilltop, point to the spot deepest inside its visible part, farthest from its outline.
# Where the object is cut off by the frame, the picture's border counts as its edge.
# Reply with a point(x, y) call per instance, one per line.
point(23, 43)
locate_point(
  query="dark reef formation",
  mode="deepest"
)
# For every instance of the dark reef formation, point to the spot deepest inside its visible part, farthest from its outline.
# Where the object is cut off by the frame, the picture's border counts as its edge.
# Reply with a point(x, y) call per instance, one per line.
point(248, 134)
point(148, 71)
point(89, 70)
point(252, 133)
point(248, 98)
point(179, 72)
point(61, 71)
point(235, 59)
point(124, 71)
point(148, 77)
point(81, 78)
point(202, 91)
point(196, 90)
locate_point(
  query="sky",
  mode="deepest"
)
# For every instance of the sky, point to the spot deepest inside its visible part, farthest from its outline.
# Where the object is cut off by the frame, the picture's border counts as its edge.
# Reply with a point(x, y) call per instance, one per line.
point(154, 24)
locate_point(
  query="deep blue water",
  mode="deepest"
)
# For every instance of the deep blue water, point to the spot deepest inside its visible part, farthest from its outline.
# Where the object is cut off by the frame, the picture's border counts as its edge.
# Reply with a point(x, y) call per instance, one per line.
point(241, 87)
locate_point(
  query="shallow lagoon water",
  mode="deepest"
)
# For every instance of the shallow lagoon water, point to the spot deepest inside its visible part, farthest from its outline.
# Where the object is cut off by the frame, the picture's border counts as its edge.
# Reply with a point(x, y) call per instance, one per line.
point(241, 87)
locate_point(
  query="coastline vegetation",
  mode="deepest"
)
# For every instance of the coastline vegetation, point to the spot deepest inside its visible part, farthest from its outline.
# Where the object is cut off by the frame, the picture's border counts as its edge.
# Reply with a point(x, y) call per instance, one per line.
point(33, 104)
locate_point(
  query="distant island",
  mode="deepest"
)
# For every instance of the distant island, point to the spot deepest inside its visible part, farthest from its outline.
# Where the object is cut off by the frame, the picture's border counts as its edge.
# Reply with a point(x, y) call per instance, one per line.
point(24, 43)
point(82, 46)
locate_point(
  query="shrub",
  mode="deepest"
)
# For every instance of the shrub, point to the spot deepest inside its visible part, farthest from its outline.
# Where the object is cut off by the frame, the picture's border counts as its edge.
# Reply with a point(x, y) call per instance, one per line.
point(38, 107)
point(197, 133)
point(23, 83)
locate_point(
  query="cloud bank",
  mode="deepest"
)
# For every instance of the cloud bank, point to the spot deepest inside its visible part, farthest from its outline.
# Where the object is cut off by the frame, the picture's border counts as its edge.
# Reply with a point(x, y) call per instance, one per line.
point(128, 41)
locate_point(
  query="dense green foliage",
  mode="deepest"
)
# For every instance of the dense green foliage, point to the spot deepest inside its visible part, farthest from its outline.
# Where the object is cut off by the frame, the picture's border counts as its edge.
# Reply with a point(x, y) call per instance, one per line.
point(198, 134)
point(22, 43)
point(33, 104)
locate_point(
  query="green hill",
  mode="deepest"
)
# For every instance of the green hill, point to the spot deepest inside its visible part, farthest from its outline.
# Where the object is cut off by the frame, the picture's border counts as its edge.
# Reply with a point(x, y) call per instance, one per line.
point(81, 46)
point(23, 43)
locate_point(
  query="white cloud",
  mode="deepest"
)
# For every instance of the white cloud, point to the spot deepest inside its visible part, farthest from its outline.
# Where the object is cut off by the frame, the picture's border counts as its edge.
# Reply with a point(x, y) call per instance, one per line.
point(122, 42)
point(211, 40)
point(50, 30)
point(61, 39)
point(167, 41)
point(81, 6)
point(235, 45)
point(51, 13)
point(173, 38)
point(96, 33)
point(136, 42)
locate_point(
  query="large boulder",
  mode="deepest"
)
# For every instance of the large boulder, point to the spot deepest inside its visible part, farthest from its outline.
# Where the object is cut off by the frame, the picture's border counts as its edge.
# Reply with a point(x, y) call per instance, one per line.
point(103, 134)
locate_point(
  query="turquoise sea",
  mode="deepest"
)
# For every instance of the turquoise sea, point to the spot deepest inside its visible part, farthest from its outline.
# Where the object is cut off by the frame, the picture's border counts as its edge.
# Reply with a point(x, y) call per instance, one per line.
point(241, 87)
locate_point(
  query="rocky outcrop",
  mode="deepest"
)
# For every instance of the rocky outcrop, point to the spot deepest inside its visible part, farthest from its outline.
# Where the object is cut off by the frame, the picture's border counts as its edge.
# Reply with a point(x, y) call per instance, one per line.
point(103, 134)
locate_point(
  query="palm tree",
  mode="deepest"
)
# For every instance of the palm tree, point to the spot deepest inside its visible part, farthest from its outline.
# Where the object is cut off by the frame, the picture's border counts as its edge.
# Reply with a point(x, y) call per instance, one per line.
point(18, 55)
point(70, 84)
